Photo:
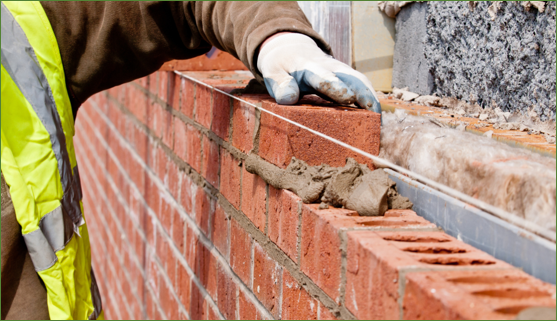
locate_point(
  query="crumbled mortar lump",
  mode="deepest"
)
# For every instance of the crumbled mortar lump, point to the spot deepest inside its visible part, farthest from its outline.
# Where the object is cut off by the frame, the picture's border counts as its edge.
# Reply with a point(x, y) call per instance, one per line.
point(529, 121)
point(354, 186)
point(514, 179)
point(495, 54)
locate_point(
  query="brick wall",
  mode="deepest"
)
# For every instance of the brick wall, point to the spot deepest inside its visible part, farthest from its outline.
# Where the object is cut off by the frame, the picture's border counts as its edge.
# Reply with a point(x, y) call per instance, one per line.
point(179, 229)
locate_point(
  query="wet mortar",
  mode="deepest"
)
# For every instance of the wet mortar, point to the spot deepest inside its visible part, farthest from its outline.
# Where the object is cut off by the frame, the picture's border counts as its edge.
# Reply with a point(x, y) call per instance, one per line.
point(354, 186)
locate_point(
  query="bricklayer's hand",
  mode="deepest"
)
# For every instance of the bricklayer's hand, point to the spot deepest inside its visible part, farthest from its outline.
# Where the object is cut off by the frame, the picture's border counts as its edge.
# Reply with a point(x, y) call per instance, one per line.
point(293, 65)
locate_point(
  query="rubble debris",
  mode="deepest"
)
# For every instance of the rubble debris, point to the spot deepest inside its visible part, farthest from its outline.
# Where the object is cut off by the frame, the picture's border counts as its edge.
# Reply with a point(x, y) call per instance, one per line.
point(354, 186)
point(540, 5)
point(550, 139)
point(493, 9)
point(488, 134)
point(507, 126)
point(404, 94)
point(428, 100)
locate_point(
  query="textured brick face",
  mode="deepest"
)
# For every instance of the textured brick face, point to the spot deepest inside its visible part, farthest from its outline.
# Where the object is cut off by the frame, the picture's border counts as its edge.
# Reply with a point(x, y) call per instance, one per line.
point(179, 229)
point(279, 141)
point(254, 198)
point(230, 178)
point(211, 161)
point(283, 220)
point(240, 252)
point(243, 125)
point(267, 275)
point(297, 304)
point(320, 251)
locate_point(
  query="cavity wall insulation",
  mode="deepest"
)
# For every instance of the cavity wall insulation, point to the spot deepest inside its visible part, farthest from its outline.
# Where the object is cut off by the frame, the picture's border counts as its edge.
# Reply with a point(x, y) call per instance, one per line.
point(495, 54)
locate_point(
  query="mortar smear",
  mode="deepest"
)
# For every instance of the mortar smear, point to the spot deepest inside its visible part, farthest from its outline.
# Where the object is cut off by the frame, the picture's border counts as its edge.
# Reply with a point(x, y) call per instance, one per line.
point(354, 186)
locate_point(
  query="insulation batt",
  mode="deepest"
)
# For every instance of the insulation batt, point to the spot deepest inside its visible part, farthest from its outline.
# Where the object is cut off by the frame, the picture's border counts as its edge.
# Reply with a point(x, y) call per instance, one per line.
point(514, 179)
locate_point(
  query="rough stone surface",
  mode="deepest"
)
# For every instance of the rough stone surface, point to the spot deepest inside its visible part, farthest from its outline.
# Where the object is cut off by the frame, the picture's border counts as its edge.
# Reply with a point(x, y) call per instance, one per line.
point(410, 67)
point(507, 61)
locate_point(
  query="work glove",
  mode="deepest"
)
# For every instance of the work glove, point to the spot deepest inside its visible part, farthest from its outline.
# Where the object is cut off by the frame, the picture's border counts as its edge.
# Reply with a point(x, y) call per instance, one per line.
point(293, 65)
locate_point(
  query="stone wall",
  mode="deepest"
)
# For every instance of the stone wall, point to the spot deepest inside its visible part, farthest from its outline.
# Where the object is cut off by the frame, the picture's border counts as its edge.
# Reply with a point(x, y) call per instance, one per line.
point(504, 59)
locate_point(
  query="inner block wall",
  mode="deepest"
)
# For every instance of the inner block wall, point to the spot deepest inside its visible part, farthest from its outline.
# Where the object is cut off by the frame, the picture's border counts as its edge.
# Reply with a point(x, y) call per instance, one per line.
point(179, 229)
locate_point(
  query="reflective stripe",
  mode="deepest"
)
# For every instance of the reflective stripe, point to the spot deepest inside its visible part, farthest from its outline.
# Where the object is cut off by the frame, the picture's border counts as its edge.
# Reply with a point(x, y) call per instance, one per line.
point(21, 63)
point(55, 231)
point(96, 297)
point(40, 250)
point(57, 227)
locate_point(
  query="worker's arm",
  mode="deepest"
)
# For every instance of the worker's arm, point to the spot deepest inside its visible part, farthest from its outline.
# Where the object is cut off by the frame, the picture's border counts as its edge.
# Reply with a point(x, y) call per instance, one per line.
point(104, 44)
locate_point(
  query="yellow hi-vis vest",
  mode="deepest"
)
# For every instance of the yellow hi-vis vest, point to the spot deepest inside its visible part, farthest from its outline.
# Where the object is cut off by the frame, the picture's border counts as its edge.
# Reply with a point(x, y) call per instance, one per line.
point(38, 161)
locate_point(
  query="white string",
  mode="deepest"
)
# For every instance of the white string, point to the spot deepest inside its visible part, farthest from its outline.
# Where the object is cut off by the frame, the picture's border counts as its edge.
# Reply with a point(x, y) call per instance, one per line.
point(500, 213)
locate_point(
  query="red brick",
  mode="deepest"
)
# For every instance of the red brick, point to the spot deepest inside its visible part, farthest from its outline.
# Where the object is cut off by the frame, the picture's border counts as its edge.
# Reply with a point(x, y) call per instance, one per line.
point(267, 275)
point(138, 103)
point(240, 252)
point(180, 140)
point(168, 302)
point(320, 247)
point(193, 141)
point(153, 196)
point(211, 313)
point(187, 91)
point(324, 313)
point(174, 98)
point(297, 304)
point(153, 83)
point(226, 294)
point(172, 178)
point(220, 231)
point(246, 308)
point(187, 192)
point(166, 129)
point(152, 272)
point(204, 209)
point(165, 213)
point(206, 269)
point(374, 263)
point(230, 178)
point(142, 81)
point(184, 287)
point(160, 162)
point(243, 124)
point(280, 141)
point(198, 306)
point(203, 105)
point(190, 247)
point(164, 81)
point(178, 230)
point(170, 262)
point(495, 294)
point(221, 113)
point(283, 220)
point(211, 160)
point(149, 307)
point(254, 198)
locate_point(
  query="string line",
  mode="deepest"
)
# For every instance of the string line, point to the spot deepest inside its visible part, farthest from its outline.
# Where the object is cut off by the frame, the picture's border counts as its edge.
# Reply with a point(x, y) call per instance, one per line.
point(498, 212)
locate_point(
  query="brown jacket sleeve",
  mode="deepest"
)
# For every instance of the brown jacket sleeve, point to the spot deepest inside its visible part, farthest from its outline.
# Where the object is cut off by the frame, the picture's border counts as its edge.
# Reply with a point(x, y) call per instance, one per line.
point(104, 44)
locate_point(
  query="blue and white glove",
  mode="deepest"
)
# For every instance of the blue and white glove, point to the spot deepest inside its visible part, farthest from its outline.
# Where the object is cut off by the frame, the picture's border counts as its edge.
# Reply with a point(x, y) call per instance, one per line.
point(293, 65)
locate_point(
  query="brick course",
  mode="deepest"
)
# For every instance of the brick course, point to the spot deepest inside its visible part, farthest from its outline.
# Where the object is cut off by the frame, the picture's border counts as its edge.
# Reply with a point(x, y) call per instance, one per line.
point(179, 229)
